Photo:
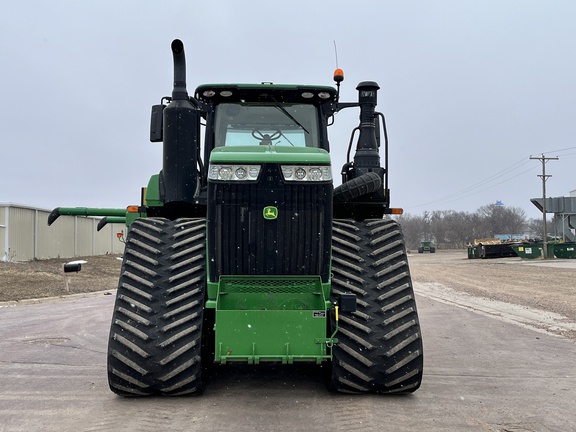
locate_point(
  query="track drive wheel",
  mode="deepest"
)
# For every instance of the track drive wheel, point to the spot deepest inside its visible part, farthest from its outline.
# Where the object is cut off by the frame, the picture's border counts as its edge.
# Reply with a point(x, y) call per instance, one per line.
point(380, 345)
point(155, 339)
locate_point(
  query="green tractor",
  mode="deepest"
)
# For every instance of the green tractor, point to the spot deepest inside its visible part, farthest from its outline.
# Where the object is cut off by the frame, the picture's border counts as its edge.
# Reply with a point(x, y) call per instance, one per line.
point(426, 246)
point(242, 251)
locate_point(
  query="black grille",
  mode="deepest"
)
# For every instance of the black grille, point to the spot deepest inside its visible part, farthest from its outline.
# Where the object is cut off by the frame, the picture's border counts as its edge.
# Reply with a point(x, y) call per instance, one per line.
point(242, 242)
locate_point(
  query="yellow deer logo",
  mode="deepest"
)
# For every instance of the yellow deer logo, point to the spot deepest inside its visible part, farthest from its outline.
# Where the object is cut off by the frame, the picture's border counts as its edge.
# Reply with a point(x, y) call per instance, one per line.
point(270, 212)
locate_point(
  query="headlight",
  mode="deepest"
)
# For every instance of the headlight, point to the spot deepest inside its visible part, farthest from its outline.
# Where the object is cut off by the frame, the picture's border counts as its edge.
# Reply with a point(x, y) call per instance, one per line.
point(306, 173)
point(234, 172)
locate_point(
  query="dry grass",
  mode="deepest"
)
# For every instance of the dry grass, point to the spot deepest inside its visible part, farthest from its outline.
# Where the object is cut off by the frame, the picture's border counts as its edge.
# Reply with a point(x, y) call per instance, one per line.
point(46, 278)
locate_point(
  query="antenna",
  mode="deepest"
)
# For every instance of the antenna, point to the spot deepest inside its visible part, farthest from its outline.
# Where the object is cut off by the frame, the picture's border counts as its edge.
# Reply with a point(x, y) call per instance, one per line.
point(336, 54)
point(338, 73)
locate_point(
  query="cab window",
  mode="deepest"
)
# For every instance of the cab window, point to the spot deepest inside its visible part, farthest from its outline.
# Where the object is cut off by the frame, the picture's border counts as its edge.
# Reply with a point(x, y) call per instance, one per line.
point(271, 124)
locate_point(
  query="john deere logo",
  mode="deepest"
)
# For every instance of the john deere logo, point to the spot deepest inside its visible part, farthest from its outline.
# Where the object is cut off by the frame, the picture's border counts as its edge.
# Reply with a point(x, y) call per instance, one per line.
point(270, 212)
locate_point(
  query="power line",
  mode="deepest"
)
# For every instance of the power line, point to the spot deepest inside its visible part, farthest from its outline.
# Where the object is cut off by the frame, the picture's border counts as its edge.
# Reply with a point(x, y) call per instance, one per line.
point(565, 154)
point(497, 176)
point(478, 187)
point(470, 190)
point(558, 151)
point(457, 196)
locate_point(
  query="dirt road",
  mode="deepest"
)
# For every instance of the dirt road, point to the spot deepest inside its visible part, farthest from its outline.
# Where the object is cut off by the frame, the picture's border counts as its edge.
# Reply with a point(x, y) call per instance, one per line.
point(539, 294)
point(544, 285)
point(481, 372)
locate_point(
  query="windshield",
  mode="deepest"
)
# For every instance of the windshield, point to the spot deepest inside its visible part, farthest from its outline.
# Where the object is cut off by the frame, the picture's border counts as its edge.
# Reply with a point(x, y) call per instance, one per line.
point(266, 124)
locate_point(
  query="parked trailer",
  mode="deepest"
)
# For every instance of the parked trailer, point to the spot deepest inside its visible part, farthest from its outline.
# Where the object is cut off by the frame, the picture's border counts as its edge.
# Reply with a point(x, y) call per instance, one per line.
point(490, 248)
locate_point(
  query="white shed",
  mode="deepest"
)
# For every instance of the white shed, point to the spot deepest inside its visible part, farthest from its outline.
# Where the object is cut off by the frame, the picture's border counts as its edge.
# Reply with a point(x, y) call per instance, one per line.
point(25, 235)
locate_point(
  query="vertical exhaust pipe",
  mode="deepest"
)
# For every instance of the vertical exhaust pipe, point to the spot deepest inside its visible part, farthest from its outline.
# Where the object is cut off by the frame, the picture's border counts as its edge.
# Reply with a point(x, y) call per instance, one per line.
point(181, 136)
point(179, 91)
point(367, 157)
point(364, 180)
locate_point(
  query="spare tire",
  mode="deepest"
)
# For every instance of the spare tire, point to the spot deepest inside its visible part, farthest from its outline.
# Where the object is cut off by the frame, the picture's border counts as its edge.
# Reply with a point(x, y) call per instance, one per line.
point(363, 185)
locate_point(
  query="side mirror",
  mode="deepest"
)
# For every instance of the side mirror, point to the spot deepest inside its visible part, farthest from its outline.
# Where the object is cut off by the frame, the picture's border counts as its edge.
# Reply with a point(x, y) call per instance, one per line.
point(156, 123)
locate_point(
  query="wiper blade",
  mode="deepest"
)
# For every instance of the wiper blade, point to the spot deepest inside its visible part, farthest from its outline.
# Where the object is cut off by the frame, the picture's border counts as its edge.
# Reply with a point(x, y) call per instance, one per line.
point(290, 116)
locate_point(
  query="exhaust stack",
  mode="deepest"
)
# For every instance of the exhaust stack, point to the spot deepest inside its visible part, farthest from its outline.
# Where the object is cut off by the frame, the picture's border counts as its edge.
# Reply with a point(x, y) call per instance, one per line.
point(367, 157)
point(179, 91)
point(181, 136)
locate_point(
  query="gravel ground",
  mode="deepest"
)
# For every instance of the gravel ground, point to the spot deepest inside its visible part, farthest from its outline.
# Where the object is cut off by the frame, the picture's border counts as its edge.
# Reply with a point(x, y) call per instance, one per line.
point(548, 286)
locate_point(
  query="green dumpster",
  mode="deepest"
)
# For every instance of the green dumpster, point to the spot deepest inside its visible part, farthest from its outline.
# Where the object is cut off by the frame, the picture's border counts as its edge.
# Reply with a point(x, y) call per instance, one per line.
point(532, 250)
point(565, 250)
point(472, 252)
point(528, 250)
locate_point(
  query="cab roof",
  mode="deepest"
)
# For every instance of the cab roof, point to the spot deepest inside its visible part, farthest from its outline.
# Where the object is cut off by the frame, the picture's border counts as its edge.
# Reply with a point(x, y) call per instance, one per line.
point(265, 92)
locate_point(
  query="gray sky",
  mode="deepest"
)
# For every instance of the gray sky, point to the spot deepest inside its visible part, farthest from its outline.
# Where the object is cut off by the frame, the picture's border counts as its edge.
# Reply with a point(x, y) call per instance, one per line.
point(470, 89)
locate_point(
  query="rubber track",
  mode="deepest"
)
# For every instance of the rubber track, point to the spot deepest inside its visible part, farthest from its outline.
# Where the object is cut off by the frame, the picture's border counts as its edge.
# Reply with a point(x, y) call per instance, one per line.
point(380, 348)
point(155, 335)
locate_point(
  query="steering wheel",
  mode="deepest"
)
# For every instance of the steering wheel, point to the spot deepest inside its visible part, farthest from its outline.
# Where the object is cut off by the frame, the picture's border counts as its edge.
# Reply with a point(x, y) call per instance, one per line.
point(266, 139)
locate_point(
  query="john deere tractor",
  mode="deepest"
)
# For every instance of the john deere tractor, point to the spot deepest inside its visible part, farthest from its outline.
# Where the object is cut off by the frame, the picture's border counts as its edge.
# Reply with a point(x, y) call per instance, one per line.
point(242, 251)
point(426, 246)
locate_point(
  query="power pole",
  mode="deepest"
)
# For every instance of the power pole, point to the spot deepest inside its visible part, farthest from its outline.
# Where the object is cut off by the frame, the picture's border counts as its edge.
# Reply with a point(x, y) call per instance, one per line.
point(544, 177)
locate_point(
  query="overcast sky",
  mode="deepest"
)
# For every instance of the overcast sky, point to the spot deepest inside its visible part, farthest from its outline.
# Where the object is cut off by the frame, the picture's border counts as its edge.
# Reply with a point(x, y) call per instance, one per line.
point(470, 89)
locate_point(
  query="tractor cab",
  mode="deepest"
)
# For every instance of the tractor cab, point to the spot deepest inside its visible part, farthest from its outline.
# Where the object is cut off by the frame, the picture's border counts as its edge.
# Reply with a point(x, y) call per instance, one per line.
point(266, 114)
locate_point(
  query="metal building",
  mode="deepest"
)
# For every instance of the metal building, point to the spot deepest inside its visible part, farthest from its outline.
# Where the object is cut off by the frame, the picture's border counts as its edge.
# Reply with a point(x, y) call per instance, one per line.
point(564, 210)
point(25, 235)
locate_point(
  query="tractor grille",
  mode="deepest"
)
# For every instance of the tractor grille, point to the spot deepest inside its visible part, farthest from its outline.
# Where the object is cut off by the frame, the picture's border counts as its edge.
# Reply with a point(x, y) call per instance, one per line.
point(242, 242)
point(257, 286)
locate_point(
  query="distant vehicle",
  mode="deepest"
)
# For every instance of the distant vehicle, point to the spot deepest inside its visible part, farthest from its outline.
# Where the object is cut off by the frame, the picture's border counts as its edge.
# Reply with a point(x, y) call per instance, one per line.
point(426, 246)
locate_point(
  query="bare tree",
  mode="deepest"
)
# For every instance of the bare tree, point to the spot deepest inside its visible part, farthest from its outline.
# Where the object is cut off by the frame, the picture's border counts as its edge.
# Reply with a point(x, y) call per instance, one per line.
point(460, 228)
point(451, 229)
point(413, 228)
point(516, 220)
point(497, 219)
point(439, 227)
